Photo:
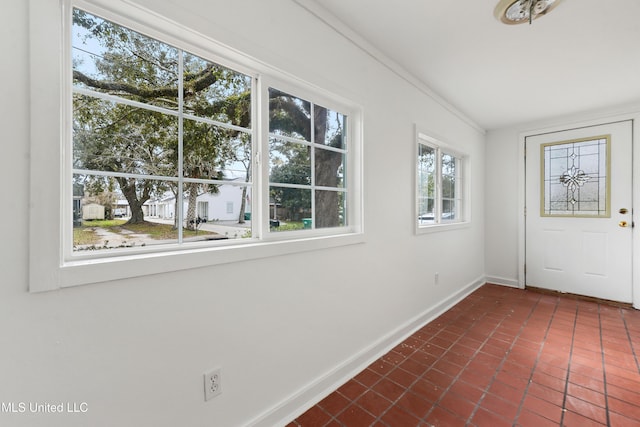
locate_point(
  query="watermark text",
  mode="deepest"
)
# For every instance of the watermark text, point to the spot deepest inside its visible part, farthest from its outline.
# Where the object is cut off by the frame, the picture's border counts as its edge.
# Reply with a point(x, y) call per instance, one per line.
point(44, 407)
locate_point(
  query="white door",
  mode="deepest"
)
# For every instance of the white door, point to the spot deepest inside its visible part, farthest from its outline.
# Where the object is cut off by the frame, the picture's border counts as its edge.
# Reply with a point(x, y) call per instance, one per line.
point(579, 211)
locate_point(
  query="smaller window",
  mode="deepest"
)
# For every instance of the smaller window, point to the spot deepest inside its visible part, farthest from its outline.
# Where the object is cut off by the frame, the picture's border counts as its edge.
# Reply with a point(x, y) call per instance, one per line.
point(203, 210)
point(308, 149)
point(440, 195)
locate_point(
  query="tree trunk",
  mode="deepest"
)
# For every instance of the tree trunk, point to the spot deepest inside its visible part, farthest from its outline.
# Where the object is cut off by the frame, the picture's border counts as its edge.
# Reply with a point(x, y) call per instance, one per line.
point(327, 163)
point(243, 202)
point(243, 206)
point(128, 188)
point(191, 209)
point(176, 215)
point(327, 202)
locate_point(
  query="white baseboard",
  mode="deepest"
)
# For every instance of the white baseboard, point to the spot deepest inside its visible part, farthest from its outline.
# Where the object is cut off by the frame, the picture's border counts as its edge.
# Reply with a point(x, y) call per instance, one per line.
point(513, 283)
point(296, 404)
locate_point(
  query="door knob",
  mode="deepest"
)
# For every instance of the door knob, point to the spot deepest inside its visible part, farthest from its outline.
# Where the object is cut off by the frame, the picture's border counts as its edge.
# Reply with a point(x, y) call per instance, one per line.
point(623, 224)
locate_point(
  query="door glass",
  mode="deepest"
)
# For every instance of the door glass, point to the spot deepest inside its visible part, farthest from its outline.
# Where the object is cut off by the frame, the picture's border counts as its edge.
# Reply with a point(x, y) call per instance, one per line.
point(575, 178)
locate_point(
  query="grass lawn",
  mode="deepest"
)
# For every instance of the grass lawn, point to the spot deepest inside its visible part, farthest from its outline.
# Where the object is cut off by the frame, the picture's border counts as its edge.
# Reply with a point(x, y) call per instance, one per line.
point(289, 226)
point(85, 234)
point(158, 231)
point(104, 223)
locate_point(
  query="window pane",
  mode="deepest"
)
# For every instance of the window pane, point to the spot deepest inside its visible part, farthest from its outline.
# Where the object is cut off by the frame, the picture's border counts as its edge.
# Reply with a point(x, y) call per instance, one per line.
point(329, 167)
point(113, 137)
point(215, 92)
point(217, 212)
point(329, 127)
point(330, 209)
point(113, 59)
point(448, 209)
point(426, 184)
point(289, 162)
point(449, 187)
point(289, 208)
point(289, 116)
point(448, 175)
point(575, 178)
point(427, 211)
point(114, 213)
point(213, 152)
point(238, 164)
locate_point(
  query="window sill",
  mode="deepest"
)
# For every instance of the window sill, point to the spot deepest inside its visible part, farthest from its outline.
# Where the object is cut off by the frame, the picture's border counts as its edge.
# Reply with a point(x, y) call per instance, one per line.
point(83, 272)
point(436, 228)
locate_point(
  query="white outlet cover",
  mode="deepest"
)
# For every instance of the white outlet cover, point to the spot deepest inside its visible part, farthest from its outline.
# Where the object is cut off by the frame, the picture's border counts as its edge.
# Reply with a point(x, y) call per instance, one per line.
point(212, 383)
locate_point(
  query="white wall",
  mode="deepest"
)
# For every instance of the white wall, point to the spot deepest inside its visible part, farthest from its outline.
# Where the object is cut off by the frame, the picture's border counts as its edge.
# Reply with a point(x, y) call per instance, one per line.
point(283, 329)
point(502, 187)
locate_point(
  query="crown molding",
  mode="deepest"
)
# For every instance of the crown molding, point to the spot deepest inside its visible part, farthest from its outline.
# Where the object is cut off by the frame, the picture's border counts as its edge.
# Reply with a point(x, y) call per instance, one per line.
point(333, 22)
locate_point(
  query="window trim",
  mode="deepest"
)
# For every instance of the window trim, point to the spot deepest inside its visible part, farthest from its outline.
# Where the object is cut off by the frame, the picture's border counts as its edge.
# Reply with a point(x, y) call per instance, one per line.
point(439, 144)
point(50, 106)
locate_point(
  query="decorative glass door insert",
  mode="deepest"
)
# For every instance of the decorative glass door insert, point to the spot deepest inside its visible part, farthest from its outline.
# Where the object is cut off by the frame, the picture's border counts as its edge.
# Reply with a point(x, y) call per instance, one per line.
point(576, 178)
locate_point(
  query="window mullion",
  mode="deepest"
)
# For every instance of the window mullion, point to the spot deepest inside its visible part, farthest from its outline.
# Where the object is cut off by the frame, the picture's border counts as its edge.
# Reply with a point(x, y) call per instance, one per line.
point(263, 158)
point(180, 195)
point(259, 145)
point(458, 189)
point(312, 156)
point(437, 216)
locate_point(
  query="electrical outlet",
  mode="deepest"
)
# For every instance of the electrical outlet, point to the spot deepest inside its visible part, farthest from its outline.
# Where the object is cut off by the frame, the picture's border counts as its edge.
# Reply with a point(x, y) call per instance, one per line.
point(212, 383)
point(436, 278)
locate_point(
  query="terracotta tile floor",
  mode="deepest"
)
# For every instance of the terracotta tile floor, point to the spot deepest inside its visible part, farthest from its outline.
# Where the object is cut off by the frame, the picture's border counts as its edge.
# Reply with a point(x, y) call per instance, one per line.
point(501, 357)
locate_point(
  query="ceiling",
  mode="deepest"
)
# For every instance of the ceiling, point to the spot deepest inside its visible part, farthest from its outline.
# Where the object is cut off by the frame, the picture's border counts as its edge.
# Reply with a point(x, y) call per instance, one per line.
point(583, 56)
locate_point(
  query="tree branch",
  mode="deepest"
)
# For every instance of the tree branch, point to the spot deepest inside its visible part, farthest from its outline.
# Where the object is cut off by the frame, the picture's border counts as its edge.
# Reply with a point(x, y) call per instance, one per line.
point(125, 87)
point(196, 83)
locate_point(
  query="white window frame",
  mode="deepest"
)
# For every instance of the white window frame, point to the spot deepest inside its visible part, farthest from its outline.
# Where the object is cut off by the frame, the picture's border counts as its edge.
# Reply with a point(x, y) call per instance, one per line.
point(50, 188)
point(307, 94)
point(440, 147)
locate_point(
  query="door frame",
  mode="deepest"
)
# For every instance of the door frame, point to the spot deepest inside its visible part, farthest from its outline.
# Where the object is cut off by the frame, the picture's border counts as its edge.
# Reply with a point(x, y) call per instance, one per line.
point(634, 117)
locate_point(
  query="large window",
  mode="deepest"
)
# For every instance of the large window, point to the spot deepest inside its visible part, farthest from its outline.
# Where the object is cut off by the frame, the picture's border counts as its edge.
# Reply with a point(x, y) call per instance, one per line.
point(172, 146)
point(440, 198)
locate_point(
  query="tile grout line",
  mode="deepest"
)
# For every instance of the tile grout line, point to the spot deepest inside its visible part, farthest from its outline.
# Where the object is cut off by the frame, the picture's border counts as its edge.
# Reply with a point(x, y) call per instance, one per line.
point(502, 362)
point(475, 322)
point(566, 383)
point(493, 310)
point(334, 417)
point(535, 364)
point(441, 357)
point(633, 350)
point(604, 368)
point(457, 377)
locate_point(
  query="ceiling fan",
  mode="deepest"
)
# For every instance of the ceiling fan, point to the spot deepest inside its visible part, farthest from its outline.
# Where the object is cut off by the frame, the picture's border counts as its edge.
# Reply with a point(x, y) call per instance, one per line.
point(519, 11)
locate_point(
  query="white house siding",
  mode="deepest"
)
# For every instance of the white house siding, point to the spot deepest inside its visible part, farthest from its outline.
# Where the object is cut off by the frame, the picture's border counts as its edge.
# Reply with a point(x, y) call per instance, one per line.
point(218, 203)
point(165, 207)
